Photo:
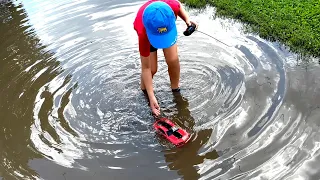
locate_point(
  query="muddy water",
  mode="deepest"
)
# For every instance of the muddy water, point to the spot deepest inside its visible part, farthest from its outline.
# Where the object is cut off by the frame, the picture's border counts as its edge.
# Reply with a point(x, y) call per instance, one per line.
point(71, 107)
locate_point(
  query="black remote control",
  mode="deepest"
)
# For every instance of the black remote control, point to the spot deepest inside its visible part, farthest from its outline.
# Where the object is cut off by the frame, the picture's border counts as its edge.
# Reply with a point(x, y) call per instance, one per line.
point(190, 30)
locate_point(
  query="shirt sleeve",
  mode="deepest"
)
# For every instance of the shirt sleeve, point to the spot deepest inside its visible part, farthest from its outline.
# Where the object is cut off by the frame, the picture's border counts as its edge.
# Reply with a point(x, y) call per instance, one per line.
point(143, 41)
point(144, 45)
point(175, 6)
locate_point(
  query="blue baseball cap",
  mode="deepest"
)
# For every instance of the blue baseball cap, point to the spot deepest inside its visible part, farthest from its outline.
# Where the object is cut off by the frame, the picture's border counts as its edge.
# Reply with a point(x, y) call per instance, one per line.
point(159, 22)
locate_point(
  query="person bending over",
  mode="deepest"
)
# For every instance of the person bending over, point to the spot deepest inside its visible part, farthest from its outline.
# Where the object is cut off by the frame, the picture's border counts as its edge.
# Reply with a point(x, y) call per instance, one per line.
point(155, 24)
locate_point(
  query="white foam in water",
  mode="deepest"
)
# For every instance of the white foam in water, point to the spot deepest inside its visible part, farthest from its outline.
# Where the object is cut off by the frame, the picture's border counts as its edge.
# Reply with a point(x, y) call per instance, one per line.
point(113, 167)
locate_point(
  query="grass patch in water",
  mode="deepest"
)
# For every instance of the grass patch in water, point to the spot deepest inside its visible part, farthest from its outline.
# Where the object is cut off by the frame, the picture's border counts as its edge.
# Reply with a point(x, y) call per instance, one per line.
point(294, 23)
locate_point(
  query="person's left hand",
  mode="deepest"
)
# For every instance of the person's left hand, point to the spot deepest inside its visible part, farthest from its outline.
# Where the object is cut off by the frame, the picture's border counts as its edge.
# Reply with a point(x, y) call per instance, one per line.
point(191, 22)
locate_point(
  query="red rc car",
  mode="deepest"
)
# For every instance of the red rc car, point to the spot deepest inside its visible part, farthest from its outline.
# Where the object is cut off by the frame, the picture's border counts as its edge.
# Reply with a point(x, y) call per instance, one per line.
point(171, 132)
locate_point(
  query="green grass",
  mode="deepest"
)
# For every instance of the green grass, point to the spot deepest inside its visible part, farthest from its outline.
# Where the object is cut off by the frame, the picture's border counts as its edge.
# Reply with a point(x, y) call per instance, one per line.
point(294, 23)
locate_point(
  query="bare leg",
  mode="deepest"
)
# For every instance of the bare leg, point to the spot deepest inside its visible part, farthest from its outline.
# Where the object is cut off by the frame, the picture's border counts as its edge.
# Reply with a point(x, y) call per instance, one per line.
point(154, 67)
point(172, 59)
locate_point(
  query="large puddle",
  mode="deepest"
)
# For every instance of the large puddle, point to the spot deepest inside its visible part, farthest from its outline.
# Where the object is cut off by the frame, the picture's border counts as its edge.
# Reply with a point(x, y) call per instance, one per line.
point(71, 107)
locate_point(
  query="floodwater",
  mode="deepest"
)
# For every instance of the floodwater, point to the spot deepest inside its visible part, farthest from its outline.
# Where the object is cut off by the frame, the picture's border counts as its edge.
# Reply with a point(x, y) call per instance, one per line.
point(71, 108)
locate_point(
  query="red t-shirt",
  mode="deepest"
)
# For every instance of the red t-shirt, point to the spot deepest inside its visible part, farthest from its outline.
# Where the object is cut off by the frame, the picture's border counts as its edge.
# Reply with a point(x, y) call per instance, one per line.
point(144, 44)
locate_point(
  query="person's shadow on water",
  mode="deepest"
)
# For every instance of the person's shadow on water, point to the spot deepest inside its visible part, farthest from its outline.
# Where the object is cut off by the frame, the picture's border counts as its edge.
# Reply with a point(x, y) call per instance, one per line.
point(185, 159)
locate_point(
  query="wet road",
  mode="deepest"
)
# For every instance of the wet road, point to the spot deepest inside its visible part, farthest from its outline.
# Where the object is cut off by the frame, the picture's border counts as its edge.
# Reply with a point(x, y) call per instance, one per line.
point(71, 107)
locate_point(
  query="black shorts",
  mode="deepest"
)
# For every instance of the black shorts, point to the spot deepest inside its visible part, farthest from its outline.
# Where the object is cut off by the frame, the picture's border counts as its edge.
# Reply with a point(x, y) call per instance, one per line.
point(153, 49)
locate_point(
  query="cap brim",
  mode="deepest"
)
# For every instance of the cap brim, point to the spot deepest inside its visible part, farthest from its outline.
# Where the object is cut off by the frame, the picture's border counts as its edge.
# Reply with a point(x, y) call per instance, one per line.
point(163, 41)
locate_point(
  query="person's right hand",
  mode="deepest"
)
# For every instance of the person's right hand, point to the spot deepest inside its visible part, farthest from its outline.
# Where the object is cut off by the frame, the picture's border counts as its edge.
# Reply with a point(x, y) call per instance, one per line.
point(154, 106)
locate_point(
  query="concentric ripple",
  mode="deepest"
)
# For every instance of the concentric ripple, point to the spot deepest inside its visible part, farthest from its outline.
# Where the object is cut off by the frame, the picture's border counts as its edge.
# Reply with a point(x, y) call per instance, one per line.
point(250, 111)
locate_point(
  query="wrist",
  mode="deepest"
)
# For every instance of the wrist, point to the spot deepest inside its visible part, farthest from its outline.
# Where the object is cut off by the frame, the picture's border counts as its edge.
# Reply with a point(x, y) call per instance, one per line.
point(152, 98)
point(150, 93)
point(187, 21)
